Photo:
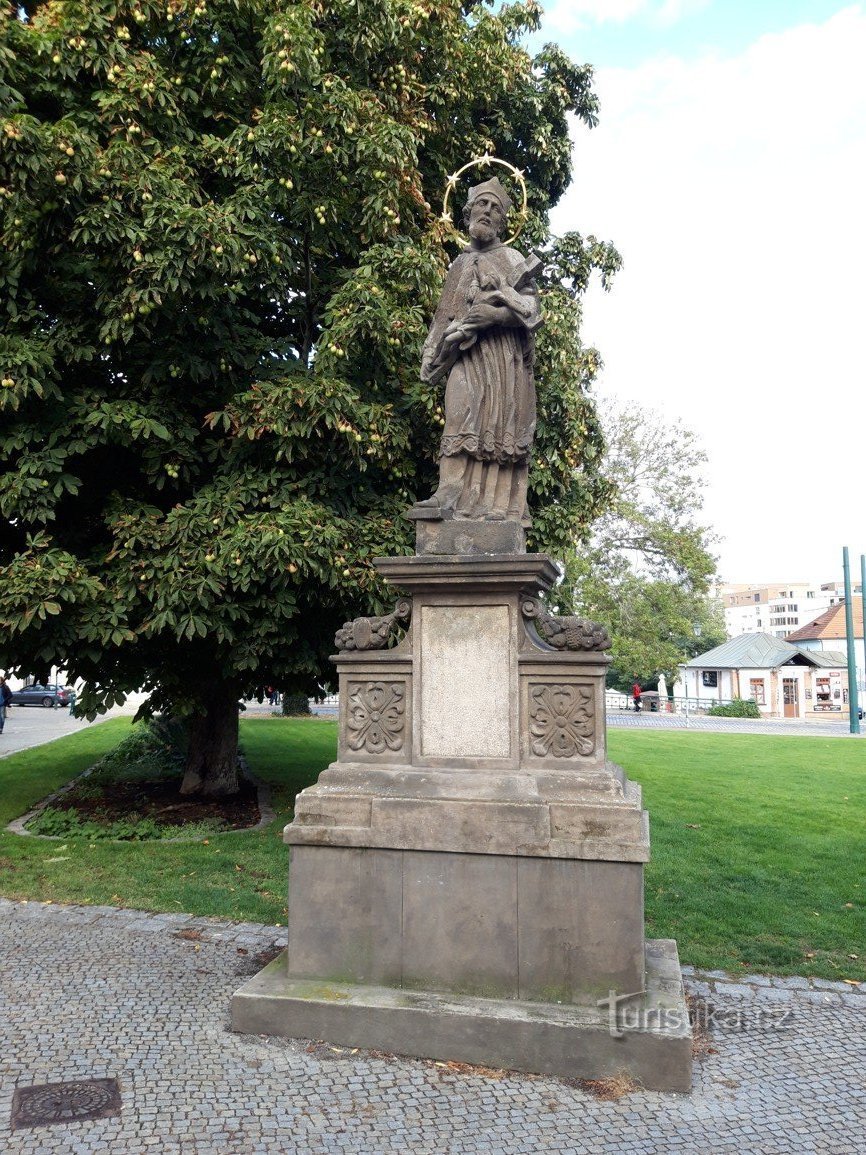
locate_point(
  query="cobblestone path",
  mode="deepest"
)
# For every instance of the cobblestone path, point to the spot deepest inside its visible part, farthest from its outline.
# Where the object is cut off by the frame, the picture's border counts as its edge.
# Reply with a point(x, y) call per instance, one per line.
point(95, 993)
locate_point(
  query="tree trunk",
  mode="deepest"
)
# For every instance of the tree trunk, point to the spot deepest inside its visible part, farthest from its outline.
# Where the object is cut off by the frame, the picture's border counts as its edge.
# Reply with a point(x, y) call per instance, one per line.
point(211, 768)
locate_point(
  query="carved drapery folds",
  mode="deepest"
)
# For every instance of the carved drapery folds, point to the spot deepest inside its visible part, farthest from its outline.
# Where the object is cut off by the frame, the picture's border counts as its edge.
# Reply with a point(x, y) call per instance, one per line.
point(561, 721)
point(373, 633)
point(376, 717)
point(565, 633)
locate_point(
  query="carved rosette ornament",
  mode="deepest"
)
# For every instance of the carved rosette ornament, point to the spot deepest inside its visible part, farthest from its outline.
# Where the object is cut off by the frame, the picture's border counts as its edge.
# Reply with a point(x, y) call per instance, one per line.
point(376, 717)
point(565, 633)
point(373, 633)
point(561, 721)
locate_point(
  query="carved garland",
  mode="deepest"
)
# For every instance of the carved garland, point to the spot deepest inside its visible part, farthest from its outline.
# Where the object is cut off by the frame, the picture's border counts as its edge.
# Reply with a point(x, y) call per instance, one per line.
point(565, 633)
point(373, 633)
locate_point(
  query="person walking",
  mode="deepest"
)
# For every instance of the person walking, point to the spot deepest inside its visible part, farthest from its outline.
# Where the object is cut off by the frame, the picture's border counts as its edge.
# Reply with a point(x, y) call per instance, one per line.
point(5, 699)
point(636, 692)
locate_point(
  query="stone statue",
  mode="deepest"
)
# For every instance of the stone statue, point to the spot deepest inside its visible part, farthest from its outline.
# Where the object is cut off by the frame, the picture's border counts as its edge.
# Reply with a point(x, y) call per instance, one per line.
point(482, 341)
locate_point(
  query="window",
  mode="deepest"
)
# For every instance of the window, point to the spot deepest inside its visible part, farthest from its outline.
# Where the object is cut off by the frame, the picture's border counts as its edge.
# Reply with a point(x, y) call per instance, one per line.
point(757, 597)
point(710, 678)
point(756, 690)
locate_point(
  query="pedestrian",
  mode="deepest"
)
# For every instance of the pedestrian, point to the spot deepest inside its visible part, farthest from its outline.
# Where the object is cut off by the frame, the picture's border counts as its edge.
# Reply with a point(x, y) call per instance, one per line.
point(72, 697)
point(5, 699)
point(636, 692)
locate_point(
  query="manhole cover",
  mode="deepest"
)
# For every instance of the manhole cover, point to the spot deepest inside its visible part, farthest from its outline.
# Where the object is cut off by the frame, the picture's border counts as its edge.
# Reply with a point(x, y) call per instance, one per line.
point(52, 1103)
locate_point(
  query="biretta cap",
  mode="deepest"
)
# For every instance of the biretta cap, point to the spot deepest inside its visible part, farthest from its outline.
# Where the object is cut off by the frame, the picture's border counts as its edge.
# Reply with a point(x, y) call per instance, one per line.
point(494, 188)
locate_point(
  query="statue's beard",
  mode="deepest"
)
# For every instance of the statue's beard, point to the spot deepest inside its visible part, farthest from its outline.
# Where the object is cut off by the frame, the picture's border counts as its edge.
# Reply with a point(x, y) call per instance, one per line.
point(483, 232)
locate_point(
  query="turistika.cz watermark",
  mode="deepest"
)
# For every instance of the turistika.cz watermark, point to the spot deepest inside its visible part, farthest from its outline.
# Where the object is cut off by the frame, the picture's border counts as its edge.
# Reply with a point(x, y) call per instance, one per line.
point(630, 1013)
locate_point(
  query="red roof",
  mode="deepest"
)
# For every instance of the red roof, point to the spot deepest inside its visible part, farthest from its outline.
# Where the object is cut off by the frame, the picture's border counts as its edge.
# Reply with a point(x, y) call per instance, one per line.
point(830, 624)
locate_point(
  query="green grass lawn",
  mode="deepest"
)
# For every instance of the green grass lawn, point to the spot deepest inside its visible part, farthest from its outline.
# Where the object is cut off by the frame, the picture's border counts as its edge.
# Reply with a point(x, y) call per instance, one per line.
point(758, 842)
point(237, 876)
point(758, 848)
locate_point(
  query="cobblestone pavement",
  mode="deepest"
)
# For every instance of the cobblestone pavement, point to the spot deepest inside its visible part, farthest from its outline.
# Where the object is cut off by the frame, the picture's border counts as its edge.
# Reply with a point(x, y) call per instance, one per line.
point(93, 992)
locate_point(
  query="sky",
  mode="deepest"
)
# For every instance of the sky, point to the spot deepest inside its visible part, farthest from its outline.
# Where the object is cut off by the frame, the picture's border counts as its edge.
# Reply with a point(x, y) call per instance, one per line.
point(729, 169)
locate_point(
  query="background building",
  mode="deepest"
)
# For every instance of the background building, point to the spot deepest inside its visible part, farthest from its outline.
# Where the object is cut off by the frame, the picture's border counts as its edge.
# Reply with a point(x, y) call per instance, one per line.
point(785, 680)
point(777, 609)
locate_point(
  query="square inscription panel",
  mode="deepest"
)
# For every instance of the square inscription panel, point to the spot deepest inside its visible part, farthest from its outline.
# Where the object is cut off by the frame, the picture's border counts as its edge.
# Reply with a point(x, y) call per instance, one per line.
point(466, 681)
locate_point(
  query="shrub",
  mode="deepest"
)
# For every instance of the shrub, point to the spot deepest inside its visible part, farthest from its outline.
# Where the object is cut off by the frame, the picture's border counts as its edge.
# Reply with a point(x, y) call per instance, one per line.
point(739, 708)
point(152, 751)
point(70, 824)
point(295, 705)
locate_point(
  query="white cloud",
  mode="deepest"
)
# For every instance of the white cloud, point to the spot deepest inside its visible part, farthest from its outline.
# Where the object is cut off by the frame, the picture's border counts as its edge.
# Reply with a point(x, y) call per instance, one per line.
point(672, 11)
point(563, 17)
point(734, 189)
point(566, 16)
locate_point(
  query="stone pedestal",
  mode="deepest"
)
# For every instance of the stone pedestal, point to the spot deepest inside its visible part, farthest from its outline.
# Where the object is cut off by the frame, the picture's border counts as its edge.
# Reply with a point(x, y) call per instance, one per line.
point(466, 880)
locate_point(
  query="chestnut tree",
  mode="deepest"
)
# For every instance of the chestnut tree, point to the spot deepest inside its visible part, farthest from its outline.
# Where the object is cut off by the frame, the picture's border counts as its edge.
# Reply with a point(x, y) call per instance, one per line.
point(221, 248)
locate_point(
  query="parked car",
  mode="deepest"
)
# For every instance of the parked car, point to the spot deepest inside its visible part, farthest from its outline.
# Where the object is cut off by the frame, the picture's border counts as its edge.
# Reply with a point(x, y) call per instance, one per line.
point(39, 695)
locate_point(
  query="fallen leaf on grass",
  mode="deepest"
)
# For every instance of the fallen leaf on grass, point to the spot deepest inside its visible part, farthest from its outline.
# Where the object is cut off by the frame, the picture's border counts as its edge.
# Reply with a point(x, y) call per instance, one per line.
point(62, 858)
point(693, 825)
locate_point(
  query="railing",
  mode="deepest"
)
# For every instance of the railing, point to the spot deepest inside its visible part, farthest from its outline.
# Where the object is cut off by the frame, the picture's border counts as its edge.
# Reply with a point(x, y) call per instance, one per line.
point(651, 703)
point(328, 703)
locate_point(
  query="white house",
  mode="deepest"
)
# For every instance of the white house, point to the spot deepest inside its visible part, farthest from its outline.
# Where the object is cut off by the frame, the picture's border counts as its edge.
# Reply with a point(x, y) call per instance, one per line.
point(782, 678)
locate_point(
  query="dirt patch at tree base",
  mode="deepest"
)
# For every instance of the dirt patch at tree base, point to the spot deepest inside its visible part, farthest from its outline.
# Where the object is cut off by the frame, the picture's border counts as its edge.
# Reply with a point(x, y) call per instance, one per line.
point(162, 802)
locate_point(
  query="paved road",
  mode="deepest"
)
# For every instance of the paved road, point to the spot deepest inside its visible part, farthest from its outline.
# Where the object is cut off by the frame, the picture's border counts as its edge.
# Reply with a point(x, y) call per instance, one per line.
point(790, 726)
point(28, 726)
point(98, 993)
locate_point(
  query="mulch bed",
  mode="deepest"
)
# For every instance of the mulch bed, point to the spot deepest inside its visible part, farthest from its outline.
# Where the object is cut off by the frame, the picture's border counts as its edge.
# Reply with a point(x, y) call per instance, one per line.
point(162, 802)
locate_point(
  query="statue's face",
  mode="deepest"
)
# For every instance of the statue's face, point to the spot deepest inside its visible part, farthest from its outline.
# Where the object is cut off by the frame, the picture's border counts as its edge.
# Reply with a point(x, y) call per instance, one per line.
point(486, 218)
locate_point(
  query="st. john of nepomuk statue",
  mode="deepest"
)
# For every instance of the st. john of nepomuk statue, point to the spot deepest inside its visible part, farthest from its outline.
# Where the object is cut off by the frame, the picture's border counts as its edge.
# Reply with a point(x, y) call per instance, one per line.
point(482, 342)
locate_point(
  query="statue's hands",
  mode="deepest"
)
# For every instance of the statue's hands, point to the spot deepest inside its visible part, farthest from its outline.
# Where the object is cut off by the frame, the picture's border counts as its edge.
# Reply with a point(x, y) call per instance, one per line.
point(486, 312)
point(456, 332)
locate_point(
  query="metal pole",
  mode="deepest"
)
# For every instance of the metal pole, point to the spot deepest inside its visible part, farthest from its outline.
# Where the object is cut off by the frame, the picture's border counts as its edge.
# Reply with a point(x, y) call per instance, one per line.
point(853, 720)
point(863, 607)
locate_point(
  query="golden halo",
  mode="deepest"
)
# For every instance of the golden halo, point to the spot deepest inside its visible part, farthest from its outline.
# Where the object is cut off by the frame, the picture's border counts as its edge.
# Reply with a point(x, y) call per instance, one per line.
point(486, 160)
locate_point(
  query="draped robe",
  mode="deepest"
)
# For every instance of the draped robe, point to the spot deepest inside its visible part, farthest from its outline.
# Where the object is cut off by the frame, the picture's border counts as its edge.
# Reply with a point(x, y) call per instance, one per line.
point(490, 390)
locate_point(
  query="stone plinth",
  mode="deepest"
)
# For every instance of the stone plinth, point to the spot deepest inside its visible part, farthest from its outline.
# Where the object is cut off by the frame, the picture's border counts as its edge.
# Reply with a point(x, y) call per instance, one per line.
point(648, 1037)
point(472, 847)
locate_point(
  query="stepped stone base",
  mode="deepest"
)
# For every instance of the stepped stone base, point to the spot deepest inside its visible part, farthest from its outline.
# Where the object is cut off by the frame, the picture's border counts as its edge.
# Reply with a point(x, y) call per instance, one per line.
point(646, 1036)
point(466, 879)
